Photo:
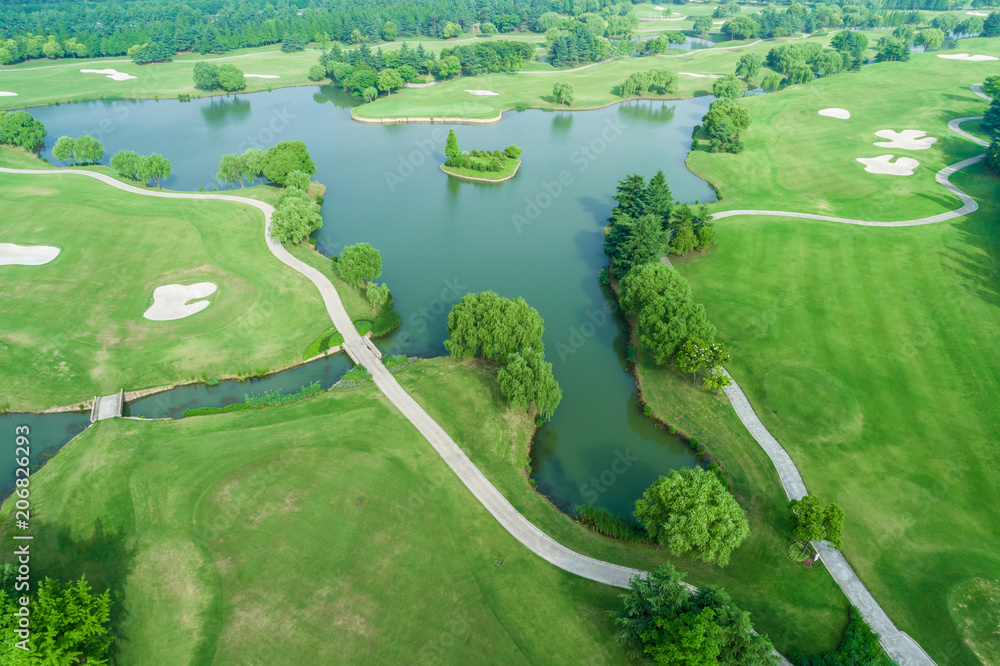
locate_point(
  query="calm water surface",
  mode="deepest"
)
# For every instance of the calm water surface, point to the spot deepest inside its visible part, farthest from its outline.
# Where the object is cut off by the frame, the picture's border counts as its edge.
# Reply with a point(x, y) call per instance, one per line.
point(538, 236)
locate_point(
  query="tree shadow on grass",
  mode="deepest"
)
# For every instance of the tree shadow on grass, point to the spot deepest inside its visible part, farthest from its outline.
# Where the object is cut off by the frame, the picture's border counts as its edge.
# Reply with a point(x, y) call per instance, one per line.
point(105, 557)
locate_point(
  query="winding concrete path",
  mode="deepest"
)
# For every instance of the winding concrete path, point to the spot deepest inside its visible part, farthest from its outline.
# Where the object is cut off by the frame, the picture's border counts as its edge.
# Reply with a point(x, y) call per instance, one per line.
point(899, 645)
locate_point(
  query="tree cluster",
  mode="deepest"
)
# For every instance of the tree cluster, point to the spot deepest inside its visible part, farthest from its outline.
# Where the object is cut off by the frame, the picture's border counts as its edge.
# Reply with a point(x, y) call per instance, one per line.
point(235, 168)
point(143, 168)
point(662, 621)
point(285, 158)
point(509, 333)
point(578, 46)
point(691, 512)
point(724, 123)
point(490, 57)
point(659, 81)
point(82, 150)
point(19, 128)
point(477, 160)
point(209, 76)
point(811, 521)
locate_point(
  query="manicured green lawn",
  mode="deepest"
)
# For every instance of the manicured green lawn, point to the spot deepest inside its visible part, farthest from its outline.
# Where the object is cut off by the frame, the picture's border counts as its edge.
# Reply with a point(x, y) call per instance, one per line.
point(800, 608)
point(870, 353)
point(797, 160)
point(74, 328)
point(509, 169)
point(327, 531)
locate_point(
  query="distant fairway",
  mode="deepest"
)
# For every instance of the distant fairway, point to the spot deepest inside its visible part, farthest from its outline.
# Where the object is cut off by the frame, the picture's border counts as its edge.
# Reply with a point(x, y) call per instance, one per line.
point(74, 328)
point(870, 353)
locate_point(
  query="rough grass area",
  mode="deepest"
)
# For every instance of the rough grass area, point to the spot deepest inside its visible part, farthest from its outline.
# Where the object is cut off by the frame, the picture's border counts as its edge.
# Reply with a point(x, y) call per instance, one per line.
point(975, 607)
point(73, 328)
point(324, 531)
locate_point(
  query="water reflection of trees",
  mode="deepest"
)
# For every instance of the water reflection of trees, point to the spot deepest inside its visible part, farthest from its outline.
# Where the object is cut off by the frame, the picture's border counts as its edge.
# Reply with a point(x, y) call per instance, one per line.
point(642, 109)
point(562, 121)
point(225, 109)
point(336, 96)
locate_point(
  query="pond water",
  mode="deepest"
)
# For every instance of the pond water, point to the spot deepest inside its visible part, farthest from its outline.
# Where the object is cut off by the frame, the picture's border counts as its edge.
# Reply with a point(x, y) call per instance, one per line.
point(538, 236)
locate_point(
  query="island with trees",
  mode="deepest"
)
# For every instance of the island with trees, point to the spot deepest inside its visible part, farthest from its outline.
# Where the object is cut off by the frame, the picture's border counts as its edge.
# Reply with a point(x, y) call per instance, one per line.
point(485, 165)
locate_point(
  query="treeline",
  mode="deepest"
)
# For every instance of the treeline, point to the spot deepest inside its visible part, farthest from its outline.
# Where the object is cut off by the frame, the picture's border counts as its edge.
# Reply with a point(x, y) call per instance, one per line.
point(365, 73)
point(644, 225)
point(79, 29)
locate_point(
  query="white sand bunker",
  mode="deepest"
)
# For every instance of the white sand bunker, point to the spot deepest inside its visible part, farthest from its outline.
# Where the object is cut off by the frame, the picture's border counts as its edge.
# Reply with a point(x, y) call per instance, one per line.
point(4, 93)
point(907, 139)
point(835, 112)
point(261, 76)
point(977, 13)
point(112, 74)
point(904, 166)
point(966, 56)
point(171, 301)
point(481, 92)
point(702, 76)
point(26, 255)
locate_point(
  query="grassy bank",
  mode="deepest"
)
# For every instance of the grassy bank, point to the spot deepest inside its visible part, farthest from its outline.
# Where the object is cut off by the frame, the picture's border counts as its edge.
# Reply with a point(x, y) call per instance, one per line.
point(74, 328)
point(371, 548)
point(800, 608)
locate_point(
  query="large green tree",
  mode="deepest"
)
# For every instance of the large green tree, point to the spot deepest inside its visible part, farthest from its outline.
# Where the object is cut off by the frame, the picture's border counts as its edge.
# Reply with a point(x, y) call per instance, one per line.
point(88, 149)
point(295, 217)
point(252, 164)
point(748, 66)
point(811, 521)
point(286, 157)
point(18, 128)
point(359, 263)
point(230, 170)
point(64, 149)
point(493, 327)
point(648, 282)
point(231, 78)
point(126, 164)
point(690, 511)
point(154, 166)
point(206, 76)
point(526, 381)
point(69, 626)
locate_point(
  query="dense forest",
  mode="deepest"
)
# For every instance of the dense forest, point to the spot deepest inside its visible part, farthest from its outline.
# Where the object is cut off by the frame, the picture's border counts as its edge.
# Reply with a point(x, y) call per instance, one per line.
point(154, 30)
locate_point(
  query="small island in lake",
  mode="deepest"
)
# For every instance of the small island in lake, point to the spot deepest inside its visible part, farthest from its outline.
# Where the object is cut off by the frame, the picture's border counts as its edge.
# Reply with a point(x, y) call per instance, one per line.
point(489, 165)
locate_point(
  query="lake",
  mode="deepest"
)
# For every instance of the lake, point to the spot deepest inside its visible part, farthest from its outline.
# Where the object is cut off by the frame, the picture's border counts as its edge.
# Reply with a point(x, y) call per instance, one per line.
point(538, 236)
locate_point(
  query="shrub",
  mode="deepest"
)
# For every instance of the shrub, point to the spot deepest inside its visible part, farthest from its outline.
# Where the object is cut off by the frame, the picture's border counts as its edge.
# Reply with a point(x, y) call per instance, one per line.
point(539, 422)
point(647, 410)
point(605, 277)
point(512, 151)
point(602, 521)
point(363, 326)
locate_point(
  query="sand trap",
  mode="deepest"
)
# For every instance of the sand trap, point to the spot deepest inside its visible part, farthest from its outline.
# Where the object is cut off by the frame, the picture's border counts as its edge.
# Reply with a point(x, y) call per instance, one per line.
point(835, 112)
point(702, 76)
point(717, 22)
point(261, 76)
point(171, 301)
point(112, 74)
point(904, 166)
point(907, 139)
point(4, 93)
point(977, 13)
point(481, 92)
point(26, 255)
point(966, 56)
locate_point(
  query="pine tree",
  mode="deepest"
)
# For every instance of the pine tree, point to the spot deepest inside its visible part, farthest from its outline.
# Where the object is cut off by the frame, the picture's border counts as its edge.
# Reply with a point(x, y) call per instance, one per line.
point(451, 145)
